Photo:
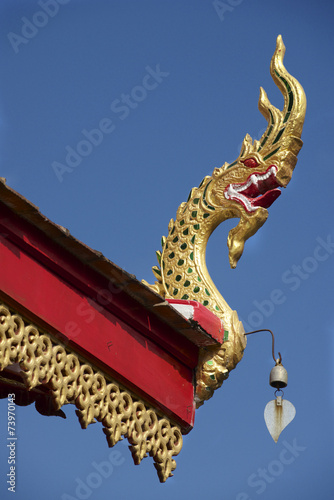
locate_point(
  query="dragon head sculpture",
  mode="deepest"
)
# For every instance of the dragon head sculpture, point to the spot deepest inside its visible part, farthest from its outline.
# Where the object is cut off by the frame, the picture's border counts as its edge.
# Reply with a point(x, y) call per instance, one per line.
point(243, 189)
point(249, 185)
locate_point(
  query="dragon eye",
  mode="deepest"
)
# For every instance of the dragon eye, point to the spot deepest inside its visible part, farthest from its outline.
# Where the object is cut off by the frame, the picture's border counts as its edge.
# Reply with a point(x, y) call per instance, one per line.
point(250, 162)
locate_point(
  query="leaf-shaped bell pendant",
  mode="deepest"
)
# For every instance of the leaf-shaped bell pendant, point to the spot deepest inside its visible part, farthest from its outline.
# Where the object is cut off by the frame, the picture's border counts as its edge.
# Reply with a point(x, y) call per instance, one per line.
point(279, 412)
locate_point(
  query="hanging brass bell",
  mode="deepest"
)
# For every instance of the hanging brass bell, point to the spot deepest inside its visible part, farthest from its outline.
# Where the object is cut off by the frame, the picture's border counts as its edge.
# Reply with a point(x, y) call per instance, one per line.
point(278, 376)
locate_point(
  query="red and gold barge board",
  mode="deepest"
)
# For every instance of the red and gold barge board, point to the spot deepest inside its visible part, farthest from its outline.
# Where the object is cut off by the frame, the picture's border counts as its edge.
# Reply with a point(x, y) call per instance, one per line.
point(75, 328)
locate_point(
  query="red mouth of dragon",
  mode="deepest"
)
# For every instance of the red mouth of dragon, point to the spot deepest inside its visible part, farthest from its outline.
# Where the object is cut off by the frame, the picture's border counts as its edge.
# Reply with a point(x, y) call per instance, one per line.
point(260, 190)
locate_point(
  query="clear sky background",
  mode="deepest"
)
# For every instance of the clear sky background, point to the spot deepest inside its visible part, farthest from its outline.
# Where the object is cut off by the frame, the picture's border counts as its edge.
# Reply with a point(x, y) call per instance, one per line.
point(61, 78)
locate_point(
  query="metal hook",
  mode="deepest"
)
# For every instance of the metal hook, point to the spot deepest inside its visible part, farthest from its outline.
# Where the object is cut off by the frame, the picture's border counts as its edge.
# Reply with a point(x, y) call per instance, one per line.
point(273, 344)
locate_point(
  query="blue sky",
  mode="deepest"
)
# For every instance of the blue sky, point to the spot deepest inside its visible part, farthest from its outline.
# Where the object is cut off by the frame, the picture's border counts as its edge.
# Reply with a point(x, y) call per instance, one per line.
point(65, 77)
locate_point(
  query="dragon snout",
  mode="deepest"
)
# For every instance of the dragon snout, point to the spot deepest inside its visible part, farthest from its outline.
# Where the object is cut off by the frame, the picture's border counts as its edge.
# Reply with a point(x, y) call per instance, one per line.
point(285, 166)
point(284, 174)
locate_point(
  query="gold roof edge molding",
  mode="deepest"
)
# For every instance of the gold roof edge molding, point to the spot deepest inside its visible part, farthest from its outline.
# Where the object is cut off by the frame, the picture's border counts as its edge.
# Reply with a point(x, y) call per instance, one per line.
point(45, 362)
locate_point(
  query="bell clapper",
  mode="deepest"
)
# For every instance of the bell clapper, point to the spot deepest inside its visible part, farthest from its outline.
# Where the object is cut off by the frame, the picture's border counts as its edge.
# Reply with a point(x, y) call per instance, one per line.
point(279, 399)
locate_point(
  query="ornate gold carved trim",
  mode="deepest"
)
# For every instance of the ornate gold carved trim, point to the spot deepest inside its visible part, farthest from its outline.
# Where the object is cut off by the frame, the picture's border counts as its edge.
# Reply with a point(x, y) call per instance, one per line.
point(44, 361)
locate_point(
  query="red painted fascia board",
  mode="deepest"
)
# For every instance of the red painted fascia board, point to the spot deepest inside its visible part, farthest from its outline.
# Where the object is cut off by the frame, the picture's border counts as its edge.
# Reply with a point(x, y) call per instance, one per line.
point(104, 336)
point(102, 291)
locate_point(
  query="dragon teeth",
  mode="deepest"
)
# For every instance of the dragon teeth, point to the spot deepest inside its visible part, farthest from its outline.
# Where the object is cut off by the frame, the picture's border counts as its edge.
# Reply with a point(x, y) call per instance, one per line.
point(255, 179)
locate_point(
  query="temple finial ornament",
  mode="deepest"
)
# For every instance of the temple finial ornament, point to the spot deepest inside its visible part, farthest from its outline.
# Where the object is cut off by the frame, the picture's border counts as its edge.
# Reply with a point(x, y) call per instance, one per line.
point(244, 189)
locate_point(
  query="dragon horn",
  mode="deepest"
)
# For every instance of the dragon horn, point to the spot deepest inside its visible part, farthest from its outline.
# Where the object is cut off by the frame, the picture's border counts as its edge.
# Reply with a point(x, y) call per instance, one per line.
point(282, 136)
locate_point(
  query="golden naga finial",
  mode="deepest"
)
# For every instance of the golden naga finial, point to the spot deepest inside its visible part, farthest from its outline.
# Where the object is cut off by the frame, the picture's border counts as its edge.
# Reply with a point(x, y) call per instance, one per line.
point(243, 189)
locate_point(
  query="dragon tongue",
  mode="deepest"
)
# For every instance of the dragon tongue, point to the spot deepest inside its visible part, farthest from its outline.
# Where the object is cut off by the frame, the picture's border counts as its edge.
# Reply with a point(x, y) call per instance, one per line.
point(266, 199)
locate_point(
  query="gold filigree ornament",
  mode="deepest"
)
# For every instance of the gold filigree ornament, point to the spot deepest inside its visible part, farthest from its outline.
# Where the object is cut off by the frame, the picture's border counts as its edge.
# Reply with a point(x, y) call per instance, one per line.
point(243, 189)
point(45, 362)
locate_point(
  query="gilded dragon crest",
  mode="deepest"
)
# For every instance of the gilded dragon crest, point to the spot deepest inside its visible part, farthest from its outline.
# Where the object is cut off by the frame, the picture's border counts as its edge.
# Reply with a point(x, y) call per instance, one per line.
point(244, 189)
